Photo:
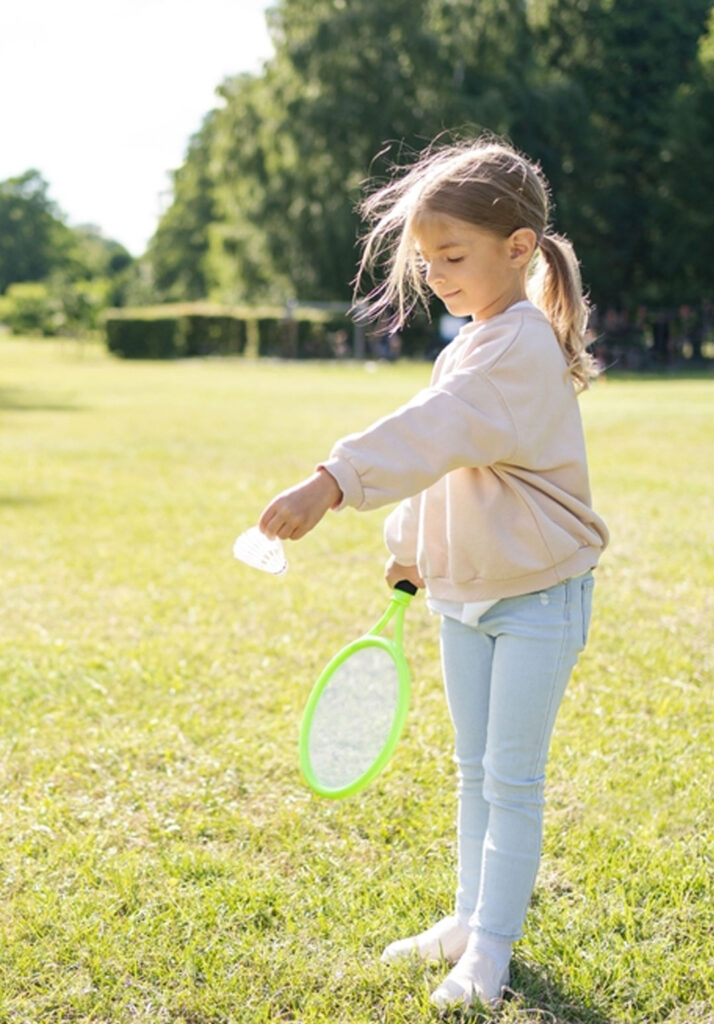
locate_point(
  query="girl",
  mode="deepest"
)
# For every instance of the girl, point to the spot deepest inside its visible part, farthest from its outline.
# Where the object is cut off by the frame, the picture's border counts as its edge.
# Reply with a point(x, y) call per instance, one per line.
point(495, 518)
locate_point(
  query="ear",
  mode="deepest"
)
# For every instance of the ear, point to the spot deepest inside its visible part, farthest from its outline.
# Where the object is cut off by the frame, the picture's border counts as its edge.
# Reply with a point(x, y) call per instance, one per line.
point(521, 246)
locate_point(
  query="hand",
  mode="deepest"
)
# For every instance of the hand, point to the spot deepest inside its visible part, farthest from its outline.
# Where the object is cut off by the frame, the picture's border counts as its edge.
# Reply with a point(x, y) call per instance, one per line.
point(394, 572)
point(296, 511)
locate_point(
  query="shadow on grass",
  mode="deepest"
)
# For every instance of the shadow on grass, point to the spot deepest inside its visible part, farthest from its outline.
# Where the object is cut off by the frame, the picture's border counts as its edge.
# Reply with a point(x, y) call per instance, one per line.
point(21, 400)
point(704, 373)
point(540, 1000)
point(23, 500)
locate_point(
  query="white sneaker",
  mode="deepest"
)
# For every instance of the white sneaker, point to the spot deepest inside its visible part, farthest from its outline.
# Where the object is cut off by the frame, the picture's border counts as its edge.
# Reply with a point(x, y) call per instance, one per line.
point(475, 978)
point(445, 940)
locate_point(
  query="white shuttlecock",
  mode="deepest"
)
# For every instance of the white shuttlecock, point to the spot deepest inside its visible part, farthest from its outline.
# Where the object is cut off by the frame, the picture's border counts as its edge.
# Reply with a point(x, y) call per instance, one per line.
point(260, 552)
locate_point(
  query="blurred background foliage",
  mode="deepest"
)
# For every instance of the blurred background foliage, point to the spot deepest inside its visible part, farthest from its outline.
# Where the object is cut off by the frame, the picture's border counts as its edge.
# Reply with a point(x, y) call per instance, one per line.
point(613, 97)
point(54, 279)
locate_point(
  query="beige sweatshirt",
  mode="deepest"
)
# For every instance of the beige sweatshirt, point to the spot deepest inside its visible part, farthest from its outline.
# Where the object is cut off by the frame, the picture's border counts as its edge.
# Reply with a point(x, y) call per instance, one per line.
point(489, 465)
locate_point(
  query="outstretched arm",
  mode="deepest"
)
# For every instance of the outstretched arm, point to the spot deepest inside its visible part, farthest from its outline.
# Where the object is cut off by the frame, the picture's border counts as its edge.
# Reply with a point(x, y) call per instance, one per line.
point(295, 512)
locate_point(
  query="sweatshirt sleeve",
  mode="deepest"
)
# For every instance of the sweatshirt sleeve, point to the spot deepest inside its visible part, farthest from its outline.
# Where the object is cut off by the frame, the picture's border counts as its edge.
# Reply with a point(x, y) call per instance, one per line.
point(401, 530)
point(460, 421)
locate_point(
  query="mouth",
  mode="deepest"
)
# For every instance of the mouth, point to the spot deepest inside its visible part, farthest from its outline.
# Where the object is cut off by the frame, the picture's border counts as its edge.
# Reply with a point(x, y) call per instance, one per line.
point(450, 295)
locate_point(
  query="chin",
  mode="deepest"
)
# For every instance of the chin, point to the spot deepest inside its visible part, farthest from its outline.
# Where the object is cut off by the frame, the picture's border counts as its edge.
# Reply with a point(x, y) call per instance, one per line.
point(455, 307)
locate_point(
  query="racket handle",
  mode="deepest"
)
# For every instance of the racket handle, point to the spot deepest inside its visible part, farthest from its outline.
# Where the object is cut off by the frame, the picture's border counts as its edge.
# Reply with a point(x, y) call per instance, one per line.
point(406, 586)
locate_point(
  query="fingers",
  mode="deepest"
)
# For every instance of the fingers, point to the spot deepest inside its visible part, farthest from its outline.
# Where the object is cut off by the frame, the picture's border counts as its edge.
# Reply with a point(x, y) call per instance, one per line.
point(395, 571)
point(283, 518)
point(279, 520)
point(268, 522)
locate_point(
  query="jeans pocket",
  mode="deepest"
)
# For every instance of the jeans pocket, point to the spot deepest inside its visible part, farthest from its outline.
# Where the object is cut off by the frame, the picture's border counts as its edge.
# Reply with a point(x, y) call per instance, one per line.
point(586, 603)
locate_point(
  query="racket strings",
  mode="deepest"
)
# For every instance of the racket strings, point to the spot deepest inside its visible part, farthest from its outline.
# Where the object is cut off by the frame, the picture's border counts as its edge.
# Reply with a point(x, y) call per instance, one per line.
point(354, 717)
point(258, 551)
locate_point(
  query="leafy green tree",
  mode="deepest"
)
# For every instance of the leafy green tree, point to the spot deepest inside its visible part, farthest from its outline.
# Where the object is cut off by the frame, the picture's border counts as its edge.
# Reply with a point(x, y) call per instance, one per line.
point(95, 256)
point(345, 78)
point(610, 95)
point(685, 243)
point(177, 252)
point(33, 239)
point(348, 81)
point(250, 151)
point(55, 279)
point(625, 62)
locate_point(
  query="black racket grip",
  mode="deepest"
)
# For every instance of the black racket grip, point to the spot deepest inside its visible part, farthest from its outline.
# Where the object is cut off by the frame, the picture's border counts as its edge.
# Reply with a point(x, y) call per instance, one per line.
point(406, 586)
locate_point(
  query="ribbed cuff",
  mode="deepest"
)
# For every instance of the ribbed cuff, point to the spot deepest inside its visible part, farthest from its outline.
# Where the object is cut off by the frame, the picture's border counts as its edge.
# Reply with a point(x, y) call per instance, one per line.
point(347, 480)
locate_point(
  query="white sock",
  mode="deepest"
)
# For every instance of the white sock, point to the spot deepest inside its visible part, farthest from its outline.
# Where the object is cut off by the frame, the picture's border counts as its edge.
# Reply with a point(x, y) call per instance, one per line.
point(500, 952)
point(480, 974)
point(447, 939)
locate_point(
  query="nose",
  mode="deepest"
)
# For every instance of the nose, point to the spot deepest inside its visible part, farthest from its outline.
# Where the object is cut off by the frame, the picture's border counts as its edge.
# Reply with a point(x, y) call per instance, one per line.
point(434, 275)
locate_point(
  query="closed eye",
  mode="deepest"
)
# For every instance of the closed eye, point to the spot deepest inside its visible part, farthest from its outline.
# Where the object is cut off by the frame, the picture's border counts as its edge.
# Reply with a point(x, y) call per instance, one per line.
point(454, 259)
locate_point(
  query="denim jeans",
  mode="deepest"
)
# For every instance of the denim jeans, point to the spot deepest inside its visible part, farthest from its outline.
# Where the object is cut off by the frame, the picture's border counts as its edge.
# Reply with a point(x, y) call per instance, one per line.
point(505, 679)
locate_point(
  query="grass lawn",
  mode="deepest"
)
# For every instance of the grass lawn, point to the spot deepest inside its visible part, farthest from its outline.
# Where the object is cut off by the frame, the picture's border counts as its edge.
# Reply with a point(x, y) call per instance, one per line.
point(160, 858)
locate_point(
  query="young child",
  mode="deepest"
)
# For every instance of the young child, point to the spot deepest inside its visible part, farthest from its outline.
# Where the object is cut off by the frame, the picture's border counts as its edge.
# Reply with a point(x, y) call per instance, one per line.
point(495, 518)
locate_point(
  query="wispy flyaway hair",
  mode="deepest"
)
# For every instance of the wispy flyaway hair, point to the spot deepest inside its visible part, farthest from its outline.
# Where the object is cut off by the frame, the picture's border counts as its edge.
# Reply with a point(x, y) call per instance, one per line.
point(489, 184)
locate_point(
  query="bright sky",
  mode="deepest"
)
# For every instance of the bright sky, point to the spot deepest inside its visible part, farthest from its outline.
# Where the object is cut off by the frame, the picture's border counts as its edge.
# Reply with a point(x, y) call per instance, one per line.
point(102, 96)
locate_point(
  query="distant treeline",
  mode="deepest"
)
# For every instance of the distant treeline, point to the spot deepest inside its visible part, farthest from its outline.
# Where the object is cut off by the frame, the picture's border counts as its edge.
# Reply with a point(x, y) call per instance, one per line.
point(54, 279)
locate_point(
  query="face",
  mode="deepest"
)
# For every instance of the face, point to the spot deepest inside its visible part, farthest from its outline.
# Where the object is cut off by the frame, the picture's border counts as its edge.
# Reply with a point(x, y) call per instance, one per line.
point(473, 271)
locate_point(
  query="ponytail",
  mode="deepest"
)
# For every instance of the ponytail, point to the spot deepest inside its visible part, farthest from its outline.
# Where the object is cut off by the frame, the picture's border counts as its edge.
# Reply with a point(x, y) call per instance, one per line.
point(489, 184)
point(556, 288)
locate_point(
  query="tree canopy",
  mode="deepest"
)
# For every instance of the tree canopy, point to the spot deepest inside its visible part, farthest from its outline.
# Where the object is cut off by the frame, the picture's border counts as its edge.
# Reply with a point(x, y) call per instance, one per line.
point(33, 240)
point(36, 243)
point(52, 277)
point(613, 97)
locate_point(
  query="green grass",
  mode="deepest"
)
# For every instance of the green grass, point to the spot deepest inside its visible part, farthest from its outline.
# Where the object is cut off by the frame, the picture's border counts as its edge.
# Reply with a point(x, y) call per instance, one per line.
point(160, 858)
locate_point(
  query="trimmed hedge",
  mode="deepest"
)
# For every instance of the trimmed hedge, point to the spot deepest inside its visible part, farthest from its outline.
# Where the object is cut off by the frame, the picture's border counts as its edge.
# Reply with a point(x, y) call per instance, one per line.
point(210, 334)
point(305, 336)
point(175, 331)
point(144, 338)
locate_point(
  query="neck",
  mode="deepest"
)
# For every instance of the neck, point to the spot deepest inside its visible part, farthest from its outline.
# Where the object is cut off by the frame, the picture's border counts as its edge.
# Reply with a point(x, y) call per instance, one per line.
point(502, 303)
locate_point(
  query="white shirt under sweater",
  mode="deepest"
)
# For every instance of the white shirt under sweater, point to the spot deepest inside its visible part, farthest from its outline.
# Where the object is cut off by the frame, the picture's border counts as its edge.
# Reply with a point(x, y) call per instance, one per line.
point(488, 464)
point(468, 612)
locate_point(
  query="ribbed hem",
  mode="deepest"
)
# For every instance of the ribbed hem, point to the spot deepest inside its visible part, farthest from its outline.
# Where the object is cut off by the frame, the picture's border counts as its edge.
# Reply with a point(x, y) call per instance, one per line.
point(443, 589)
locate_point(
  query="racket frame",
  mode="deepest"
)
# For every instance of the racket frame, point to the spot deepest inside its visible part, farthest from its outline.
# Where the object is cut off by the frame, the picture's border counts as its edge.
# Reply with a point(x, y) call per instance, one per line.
point(395, 610)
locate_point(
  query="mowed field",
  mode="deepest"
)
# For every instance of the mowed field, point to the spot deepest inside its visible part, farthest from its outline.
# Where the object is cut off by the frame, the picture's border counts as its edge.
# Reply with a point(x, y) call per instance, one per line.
point(161, 859)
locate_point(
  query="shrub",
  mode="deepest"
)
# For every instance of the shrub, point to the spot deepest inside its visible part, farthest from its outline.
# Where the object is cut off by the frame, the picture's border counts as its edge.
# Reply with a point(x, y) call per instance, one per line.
point(144, 337)
point(200, 329)
point(211, 334)
point(308, 334)
point(174, 331)
point(30, 308)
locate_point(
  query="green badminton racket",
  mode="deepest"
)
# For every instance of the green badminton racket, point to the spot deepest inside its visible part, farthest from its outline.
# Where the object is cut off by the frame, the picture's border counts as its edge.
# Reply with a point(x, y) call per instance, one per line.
point(356, 711)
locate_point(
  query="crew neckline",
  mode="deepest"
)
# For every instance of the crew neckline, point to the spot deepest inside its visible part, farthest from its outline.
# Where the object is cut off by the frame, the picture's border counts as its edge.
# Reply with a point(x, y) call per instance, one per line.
point(521, 304)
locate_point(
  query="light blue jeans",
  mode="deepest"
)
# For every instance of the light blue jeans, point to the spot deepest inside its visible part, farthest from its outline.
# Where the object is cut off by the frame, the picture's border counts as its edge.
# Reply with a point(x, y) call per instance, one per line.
point(505, 679)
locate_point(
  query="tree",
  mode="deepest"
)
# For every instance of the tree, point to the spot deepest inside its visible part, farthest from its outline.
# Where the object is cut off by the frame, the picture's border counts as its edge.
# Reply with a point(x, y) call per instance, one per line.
point(344, 79)
point(288, 152)
point(626, 62)
point(610, 96)
point(685, 244)
point(33, 239)
point(53, 278)
point(177, 252)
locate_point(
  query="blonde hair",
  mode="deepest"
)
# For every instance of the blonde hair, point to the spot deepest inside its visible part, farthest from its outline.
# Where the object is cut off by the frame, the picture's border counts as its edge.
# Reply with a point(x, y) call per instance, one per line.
point(489, 184)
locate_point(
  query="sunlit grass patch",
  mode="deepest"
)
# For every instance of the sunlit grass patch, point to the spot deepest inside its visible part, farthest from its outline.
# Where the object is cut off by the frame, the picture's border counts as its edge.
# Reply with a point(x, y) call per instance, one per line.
point(160, 857)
